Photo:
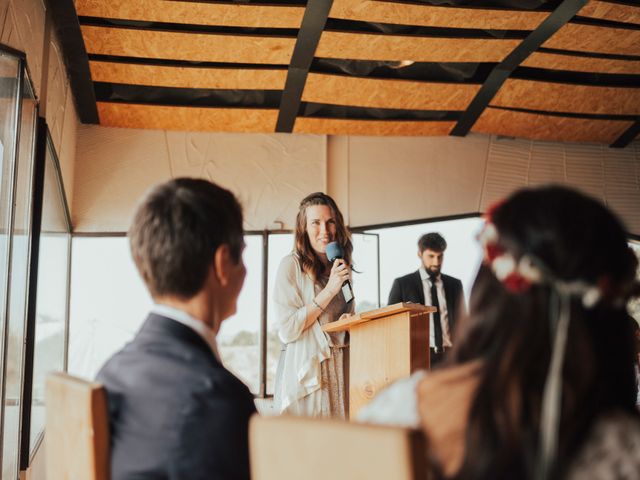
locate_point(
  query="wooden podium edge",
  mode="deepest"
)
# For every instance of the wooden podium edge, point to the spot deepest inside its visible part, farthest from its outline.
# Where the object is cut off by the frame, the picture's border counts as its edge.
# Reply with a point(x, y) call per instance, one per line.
point(347, 323)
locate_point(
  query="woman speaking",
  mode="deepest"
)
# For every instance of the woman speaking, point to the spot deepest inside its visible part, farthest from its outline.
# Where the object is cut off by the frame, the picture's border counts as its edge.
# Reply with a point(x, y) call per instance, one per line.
point(312, 372)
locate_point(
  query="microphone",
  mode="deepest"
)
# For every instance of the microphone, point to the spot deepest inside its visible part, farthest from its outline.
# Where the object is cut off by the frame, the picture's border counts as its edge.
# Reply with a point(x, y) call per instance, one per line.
point(334, 251)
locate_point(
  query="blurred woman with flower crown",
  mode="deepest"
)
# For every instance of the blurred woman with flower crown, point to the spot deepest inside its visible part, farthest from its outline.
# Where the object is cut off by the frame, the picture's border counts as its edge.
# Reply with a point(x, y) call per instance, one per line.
point(540, 384)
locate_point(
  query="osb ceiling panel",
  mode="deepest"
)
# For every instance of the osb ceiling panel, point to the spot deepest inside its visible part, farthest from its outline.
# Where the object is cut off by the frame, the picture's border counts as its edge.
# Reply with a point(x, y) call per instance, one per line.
point(188, 77)
point(246, 15)
point(385, 93)
point(436, 16)
point(369, 46)
point(554, 61)
point(371, 127)
point(595, 39)
point(612, 11)
point(561, 97)
point(198, 47)
point(186, 118)
point(547, 127)
point(549, 70)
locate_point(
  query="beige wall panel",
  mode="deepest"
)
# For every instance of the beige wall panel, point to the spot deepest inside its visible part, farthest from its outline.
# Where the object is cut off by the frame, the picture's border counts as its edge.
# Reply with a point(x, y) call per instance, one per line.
point(589, 38)
point(187, 118)
point(187, 46)
point(9, 31)
point(610, 175)
point(581, 64)
point(29, 18)
point(338, 172)
point(192, 12)
point(562, 97)
point(113, 170)
point(378, 93)
point(395, 179)
point(622, 183)
point(364, 46)
point(434, 16)
point(269, 173)
point(547, 127)
point(67, 153)
point(329, 126)
point(188, 77)
point(57, 91)
point(609, 11)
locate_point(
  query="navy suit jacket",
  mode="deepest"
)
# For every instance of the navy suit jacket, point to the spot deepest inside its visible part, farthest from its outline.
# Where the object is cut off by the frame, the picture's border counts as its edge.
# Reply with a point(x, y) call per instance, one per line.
point(409, 288)
point(175, 412)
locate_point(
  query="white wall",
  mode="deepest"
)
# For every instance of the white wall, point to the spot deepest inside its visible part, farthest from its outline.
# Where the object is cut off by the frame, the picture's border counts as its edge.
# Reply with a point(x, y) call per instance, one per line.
point(374, 179)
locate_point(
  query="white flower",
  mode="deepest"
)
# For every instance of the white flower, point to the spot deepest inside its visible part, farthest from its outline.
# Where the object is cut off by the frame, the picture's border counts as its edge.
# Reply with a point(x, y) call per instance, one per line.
point(503, 266)
point(528, 269)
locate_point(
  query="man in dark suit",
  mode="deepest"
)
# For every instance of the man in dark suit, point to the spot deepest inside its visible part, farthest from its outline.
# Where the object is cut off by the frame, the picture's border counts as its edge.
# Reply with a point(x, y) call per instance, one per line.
point(175, 412)
point(429, 286)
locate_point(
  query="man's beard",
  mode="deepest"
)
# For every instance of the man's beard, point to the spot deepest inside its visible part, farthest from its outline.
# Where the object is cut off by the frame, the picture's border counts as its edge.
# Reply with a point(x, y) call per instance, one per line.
point(433, 273)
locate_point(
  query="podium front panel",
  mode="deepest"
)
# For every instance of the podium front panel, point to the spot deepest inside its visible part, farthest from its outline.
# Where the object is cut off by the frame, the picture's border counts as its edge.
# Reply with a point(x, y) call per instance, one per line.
point(384, 351)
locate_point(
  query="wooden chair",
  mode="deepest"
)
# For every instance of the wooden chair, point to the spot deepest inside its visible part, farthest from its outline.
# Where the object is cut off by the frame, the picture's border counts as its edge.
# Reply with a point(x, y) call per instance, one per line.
point(77, 429)
point(290, 448)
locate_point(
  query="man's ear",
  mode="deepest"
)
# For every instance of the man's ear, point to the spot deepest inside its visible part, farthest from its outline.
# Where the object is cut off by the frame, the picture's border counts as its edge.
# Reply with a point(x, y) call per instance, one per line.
point(222, 263)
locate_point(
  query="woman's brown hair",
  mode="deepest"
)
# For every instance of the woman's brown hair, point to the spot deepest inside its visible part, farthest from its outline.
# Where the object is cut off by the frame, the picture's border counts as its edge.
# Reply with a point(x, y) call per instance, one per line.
point(310, 261)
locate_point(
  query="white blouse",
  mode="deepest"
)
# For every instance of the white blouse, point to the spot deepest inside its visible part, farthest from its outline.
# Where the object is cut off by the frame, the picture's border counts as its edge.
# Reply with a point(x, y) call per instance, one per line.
point(298, 388)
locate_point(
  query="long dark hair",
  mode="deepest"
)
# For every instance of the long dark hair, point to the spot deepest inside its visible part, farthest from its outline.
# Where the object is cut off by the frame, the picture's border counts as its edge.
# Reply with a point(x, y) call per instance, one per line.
point(310, 262)
point(577, 239)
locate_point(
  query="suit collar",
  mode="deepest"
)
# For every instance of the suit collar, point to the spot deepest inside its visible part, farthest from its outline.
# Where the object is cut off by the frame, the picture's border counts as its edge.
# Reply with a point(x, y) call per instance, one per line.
point(169, 329)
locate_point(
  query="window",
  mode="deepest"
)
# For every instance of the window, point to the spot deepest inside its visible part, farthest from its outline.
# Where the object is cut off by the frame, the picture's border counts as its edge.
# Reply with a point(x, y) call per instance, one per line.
point(399, 251)
point(18, 114)
point(634, 305)
point(239, 335)
point(280, 245)
point(49, 351)
point(109, 302)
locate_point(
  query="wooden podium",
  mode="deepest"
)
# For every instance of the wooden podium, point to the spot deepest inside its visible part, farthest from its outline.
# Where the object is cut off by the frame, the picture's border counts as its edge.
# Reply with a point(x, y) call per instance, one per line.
point(386, 344)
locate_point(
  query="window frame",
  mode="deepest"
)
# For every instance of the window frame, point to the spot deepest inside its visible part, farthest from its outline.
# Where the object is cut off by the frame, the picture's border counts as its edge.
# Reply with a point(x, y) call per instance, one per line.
point(44, 145)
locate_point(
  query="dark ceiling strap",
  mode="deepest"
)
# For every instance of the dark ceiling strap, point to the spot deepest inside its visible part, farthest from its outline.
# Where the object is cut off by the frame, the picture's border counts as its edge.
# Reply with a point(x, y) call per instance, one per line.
point(560, 16)
point(627, 137)
point(76, 59)
point(313, 22)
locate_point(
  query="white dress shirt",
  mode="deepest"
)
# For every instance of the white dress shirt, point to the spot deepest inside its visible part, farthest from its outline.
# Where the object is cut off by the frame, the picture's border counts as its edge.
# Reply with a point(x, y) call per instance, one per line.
point(198, 326)
point(442, 301)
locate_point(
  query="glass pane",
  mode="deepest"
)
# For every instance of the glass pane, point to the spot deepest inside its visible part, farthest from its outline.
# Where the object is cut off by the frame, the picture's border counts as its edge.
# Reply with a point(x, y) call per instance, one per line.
point(20, 255)
point(280, 244)
point(109, 302)
point(102, 271)
point(365, 280)
point(239, 335)
point(51, 301)
point(634, 305)
point(399, 251)
point(8, 99)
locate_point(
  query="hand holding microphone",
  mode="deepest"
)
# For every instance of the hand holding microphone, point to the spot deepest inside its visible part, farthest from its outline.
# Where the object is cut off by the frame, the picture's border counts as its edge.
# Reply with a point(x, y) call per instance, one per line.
point(340, 272)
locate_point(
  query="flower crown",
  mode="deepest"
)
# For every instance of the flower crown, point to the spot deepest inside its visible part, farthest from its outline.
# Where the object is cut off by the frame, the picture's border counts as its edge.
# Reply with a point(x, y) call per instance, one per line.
point(518, 275)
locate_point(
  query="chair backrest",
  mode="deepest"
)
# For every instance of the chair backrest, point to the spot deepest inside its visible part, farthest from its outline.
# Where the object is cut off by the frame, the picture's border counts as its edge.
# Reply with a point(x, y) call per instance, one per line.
point(288, 448)
point(77, 429)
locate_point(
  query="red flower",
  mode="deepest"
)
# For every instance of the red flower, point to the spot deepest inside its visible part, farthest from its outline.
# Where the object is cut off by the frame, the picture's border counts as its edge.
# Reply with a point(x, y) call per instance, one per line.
point(493, 250)
point(516, 283)
point(493, 208)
